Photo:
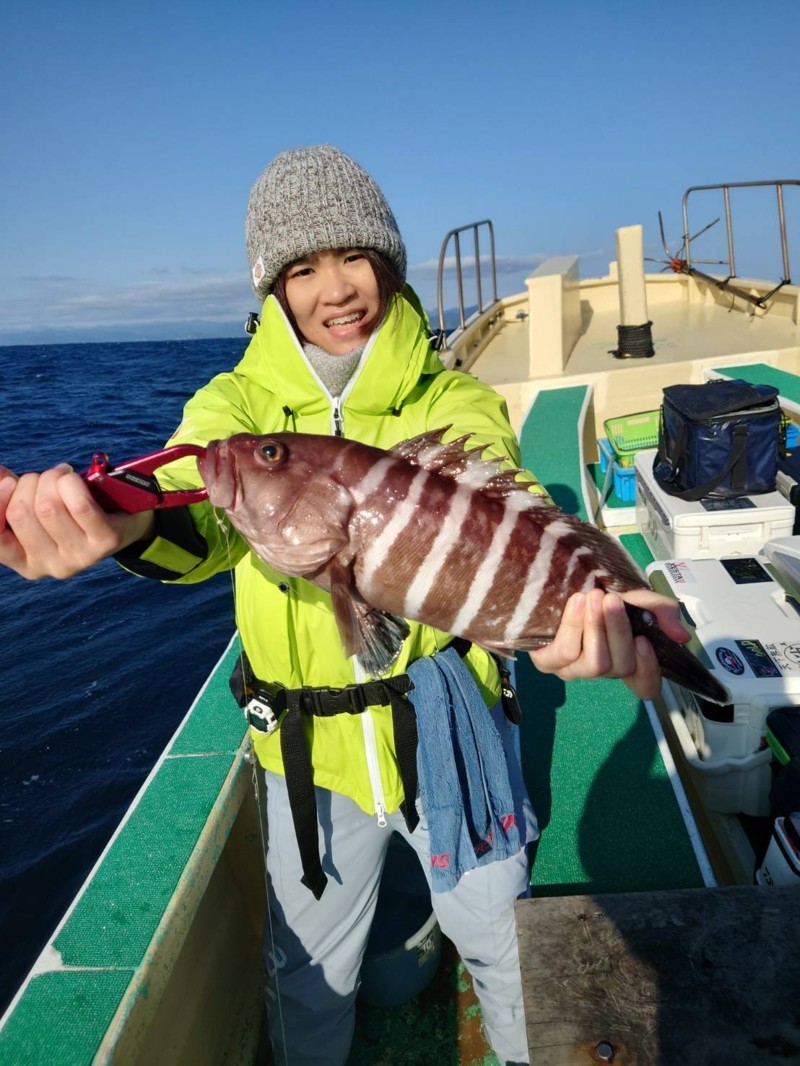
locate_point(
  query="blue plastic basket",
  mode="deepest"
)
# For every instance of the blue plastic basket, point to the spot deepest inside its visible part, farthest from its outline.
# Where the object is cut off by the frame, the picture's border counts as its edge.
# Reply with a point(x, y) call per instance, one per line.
point(624, 477)
point(625, 483)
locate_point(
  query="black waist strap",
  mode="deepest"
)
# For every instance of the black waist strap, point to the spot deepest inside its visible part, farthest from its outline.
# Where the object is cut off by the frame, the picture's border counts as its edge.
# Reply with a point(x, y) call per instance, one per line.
point(265, 702)
point(299, 771)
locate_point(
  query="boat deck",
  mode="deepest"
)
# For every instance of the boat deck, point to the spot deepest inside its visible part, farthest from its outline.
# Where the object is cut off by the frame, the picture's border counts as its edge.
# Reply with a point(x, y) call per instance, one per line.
point(131, 954)
point(690, 330)
point(589, 747)
point(683, 333)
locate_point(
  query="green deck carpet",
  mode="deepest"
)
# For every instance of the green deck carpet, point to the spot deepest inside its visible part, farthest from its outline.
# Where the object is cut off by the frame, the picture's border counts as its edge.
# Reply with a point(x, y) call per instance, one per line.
point(788, 385)
point(62, 1018)
point(599, 786)
point(551, 445)
point(64, 1013)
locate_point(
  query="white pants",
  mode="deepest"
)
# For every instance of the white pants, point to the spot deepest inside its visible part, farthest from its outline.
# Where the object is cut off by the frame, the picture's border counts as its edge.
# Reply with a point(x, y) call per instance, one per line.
point(313, 949)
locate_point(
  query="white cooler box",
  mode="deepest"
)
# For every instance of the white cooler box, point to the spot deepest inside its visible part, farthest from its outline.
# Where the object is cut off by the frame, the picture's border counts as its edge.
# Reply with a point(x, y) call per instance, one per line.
point(781, 865)
point(748, 633)
point(708, 529)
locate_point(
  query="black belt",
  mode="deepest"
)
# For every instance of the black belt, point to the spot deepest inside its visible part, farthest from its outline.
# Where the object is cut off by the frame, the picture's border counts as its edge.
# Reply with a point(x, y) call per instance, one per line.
point(297, 761)
point(265, 702)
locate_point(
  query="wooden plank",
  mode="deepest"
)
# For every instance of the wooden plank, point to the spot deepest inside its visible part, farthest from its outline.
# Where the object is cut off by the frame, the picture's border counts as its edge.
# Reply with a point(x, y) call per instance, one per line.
point(691, 977)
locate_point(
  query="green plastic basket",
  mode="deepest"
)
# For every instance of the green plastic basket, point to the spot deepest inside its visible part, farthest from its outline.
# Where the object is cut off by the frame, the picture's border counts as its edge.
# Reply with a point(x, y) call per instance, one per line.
point(630, 434)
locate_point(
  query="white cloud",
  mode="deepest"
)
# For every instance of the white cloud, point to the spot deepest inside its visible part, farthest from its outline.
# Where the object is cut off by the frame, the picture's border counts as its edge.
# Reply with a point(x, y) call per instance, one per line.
point(52, 303)
point(504, 264)
point(71, 304)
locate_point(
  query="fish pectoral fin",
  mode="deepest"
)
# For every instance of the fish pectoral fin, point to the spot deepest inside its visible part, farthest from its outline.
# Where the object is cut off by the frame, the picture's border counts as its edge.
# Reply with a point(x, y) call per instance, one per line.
point(381, 638)
point(497, 649)
point(509, 651)
point(375, 636)
point(535, 643)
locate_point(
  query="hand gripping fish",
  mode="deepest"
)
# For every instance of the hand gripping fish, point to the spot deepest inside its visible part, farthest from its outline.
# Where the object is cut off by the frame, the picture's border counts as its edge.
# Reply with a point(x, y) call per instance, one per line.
point(428, 531)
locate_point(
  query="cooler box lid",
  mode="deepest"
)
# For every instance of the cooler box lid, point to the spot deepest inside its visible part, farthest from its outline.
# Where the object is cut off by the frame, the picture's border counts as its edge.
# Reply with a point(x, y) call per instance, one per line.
point(745, 627)
point(685, 514)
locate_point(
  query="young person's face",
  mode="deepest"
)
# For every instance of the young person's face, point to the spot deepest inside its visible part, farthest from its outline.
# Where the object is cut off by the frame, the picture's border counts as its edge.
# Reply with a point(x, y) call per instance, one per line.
point(333, 296)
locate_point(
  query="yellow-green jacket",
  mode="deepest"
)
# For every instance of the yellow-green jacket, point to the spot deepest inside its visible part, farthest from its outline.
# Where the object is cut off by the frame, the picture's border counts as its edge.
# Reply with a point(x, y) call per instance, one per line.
point(399, 389)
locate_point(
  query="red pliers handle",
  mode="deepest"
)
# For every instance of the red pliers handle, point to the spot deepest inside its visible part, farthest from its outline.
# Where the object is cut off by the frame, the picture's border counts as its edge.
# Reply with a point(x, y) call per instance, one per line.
point(131, 486)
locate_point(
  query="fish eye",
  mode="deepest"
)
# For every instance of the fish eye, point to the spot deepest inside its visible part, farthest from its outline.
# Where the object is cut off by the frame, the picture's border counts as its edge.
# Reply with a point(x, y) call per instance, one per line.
point(272, 451)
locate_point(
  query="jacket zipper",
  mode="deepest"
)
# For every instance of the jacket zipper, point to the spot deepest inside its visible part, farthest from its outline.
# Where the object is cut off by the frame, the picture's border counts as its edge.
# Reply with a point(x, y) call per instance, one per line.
point(371, 752)
point(371, 749)
point(338, 421)
point(337, 417)
point(367, 723)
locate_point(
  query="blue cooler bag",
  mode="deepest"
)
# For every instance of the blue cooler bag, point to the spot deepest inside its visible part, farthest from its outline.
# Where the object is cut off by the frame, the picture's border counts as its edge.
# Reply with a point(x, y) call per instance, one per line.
point(719, 439)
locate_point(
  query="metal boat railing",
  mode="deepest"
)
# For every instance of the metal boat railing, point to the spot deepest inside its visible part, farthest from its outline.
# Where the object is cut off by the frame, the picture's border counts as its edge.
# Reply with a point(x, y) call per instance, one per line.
point(726, 193)
point(455, 235)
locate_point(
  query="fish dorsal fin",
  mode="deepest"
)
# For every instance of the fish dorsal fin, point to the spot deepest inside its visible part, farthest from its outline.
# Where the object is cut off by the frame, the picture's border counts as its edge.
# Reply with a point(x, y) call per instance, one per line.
point(464, 465)
point(425, 449)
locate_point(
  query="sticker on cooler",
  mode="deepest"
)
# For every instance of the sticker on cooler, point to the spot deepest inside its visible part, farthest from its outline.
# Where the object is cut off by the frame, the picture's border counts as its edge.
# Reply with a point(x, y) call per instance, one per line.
point(787, 657)
point(680, 572)
point(758, 658)
point(745, 625)
point(729, 661)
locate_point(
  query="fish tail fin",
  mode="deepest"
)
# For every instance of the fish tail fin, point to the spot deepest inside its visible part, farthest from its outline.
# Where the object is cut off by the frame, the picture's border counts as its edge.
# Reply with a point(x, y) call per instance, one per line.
point(677, 663)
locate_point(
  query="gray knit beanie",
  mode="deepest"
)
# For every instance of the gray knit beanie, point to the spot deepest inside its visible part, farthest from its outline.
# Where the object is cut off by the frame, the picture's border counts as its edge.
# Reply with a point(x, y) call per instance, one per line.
point(310, 199)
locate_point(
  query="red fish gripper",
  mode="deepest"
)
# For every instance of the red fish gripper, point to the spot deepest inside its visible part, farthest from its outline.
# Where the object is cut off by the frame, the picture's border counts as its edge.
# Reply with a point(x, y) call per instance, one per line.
point(131, 486)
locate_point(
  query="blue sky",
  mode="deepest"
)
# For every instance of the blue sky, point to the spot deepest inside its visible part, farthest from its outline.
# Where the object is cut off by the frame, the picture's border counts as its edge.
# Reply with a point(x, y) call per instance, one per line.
point(130, 135)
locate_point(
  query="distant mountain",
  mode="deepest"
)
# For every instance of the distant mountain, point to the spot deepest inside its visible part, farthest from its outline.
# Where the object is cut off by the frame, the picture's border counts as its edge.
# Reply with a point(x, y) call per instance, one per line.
point(451, 317)
point(195, 329)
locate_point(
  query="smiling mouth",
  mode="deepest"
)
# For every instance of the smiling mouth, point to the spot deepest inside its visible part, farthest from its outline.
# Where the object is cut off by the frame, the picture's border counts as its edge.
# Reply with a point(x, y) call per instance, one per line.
point(346, 320)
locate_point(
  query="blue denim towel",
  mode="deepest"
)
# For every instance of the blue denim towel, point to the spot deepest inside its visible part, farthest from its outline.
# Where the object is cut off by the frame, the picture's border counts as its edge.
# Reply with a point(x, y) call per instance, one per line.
point(464, 785)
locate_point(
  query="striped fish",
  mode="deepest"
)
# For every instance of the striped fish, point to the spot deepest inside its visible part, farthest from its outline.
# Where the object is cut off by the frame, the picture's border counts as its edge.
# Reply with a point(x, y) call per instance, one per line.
point(429, 531)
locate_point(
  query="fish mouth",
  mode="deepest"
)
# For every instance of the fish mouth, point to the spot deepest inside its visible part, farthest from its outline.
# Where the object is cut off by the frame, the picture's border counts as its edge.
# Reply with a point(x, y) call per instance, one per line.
point(220, 474)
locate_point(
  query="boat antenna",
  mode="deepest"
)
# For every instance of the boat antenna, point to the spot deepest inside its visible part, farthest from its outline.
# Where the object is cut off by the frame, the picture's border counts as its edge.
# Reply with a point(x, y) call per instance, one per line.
point(679, 265)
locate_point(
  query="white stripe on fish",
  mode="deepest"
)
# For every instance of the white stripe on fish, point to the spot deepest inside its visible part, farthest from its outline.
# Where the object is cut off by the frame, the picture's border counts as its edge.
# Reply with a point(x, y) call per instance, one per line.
point(375, 477)
point(377, 553)
point(538, 578)
point(490, 564)
point(447, 539)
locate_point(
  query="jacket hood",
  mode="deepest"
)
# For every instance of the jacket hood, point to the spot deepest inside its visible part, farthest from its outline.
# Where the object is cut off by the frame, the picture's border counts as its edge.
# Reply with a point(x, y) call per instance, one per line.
point(275, 360)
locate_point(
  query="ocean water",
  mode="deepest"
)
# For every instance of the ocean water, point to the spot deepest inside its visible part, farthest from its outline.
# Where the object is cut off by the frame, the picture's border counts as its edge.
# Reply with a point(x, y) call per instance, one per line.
point(95, 672)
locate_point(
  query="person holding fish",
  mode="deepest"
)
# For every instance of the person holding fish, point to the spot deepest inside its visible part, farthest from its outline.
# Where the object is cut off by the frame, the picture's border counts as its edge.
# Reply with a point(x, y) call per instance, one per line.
point(352, 701)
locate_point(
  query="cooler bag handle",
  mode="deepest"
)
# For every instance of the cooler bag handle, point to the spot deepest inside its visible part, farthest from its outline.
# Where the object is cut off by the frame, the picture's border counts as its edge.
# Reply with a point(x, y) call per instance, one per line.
point(735, 456)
